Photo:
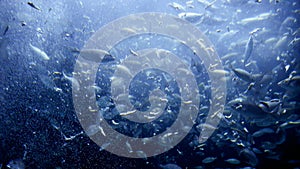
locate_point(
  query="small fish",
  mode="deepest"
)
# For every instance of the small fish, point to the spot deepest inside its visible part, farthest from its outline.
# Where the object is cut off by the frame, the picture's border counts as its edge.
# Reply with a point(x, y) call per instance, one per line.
point(270, 106)
point(129, 30)
point(229, 55)
point(170, 166)
point(227, 35)
point(23, 23)
point(249, 157)
point(210, 4)
point(104, 146)
point(16, 164)
point(93, 129)
point(220, 71)
point(250, 86)
point(124, 69)
point(133, 52)
point(289, 124)
point(248, 50)
point(191, 16)
point(33, 6)
point(233, 161)
point(95, 55)
point(5, 31)
point(188, 102)
point(141, 154)
point(129, 148)
point(127, 113)
point(209, 160)
point(248, 109)
point(281, 42)
point(176, 6)
point(68, 138)
point(245, 75)
point(262, 132)
point(260, 17)
point(75, 83)
point(255, 31)
point(287, 23)
point(291, 83)
point(39, 52)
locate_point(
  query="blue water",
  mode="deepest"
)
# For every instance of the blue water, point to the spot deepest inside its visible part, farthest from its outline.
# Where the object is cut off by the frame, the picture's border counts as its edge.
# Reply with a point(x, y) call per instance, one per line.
point(37, 116)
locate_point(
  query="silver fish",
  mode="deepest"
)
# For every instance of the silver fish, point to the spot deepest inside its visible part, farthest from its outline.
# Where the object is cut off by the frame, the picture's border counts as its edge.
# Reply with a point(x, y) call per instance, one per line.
point(252, 112)
point(209, 160)
point(245, 75)
point(248, 50)
point(233, 161)
point(41, 53)
point(191, 16)
point(170, 166)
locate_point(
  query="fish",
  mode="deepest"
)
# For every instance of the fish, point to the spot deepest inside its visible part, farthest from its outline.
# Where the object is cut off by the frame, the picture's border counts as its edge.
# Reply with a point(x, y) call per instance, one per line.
point(170, 166)
point(289, 124)
point(270, 40)
point(191, 16)
point(248, 49)
point(41, 53)
point(254, 31)
point(260, 17)
point(176, 6)
point(287, 24)
point(245, 75)
point(281, 42)
point(252, 112)
point(270, 106)
point(73, 81)
point(210, 4)
point(93, 129)
point(249, 157)
point(141, 154)
point(128, 113)
point(227, 35)
point(125, 70)
point(294, 42)
point(209, 160)
point(229, 55)
point(291, 83)
point(129, 148)
point(232, 161)
point(129, 30)
point(33, 6)
point(95, 55)
point(220, 72)
point(104, 146)
point(6, 29)
point(133, 52)
point(262, 132)
point(16, 164)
